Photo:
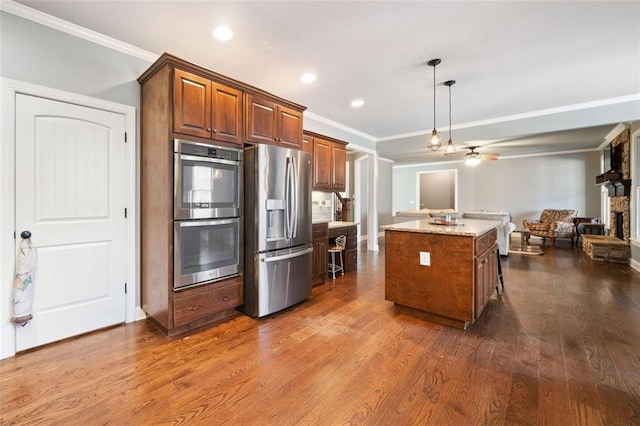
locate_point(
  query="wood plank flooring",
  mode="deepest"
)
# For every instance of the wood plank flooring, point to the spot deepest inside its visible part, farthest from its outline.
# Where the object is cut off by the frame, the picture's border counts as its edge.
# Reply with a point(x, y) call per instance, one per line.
point(561, 346)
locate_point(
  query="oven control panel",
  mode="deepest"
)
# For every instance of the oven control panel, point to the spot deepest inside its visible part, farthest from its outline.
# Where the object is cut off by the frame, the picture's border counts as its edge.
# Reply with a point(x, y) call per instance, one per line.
point(210, 151)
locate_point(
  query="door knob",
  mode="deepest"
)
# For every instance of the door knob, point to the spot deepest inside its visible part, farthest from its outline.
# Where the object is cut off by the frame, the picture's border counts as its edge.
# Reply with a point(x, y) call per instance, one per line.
point(25, 235)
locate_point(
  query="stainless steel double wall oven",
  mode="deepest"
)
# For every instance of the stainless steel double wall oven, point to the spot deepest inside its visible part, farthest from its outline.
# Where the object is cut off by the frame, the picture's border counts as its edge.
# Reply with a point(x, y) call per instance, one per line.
point(207, 213)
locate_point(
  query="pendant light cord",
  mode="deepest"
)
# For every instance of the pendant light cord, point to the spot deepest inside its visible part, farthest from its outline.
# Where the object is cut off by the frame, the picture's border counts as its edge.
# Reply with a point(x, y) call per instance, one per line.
point(434, 96)
point(449, 112)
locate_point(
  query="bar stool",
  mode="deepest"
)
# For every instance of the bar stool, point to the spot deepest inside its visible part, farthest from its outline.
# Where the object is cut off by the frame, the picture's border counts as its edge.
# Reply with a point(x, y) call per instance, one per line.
point(333, 267)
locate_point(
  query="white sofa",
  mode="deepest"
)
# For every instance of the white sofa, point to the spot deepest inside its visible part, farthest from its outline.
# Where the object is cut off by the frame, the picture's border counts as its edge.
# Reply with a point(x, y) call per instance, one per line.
point(407, 215)
point(504, 231)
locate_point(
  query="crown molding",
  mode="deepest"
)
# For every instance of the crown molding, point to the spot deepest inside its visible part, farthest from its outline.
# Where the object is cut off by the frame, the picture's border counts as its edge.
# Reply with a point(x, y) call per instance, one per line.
point(67, 27)
point(527, 115)
point(339, 126)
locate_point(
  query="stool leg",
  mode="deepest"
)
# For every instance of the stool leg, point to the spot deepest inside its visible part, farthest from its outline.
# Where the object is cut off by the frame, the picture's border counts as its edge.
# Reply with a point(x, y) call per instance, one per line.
point(333, 265)
point(341, 262)
point(500, 277)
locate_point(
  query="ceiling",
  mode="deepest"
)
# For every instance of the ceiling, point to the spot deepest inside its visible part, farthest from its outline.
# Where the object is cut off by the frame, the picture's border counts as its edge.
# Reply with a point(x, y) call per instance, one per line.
point(531, 76)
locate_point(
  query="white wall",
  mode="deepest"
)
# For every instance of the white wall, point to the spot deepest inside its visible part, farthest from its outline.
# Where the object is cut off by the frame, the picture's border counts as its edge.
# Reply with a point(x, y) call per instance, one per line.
point(521, 186)
point(385, 192)
point(41, 55)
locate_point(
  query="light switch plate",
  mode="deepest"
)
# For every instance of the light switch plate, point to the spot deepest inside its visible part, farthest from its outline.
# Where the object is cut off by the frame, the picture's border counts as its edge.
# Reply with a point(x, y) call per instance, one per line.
point(425, 258)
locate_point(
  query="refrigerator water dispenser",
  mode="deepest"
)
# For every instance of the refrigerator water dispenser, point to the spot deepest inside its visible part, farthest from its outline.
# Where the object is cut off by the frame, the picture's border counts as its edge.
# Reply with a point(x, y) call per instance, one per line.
point(275, 219)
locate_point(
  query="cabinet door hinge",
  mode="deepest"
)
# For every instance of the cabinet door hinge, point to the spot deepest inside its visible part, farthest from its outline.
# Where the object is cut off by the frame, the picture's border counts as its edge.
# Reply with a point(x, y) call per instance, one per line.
point(125, 137)
point(125, 212)
point(125, 288)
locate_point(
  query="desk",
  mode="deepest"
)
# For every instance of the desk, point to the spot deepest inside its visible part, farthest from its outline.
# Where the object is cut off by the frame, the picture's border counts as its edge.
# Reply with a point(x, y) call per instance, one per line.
point(593, 228)
point(588, 226)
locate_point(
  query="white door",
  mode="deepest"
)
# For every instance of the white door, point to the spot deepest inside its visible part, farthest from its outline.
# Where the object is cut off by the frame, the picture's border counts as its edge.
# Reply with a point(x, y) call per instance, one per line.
point(70, 193)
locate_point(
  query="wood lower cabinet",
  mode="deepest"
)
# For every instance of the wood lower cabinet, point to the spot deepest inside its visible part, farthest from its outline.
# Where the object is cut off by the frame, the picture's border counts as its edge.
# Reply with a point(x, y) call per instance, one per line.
point(455, 287)
point(206, 109)
point(320, 246)
point(329, 162)
point(486, 272)
point(351, 255)
point(206, 302)
point(270, 122)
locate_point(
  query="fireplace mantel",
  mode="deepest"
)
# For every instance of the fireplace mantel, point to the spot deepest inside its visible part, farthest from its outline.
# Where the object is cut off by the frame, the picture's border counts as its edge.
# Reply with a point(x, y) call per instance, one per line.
point(616, 186)
point(619, 188)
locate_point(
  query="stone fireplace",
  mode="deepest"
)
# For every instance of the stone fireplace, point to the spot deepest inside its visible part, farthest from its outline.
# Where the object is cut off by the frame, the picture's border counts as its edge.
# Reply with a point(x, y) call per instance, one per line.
point(615, 247)
point(617, 226)
point(620, 204)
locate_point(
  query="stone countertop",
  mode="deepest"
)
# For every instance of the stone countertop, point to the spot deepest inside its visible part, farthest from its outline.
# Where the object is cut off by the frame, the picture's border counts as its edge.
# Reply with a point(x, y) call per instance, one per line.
point(469, 227)
point(340, 224)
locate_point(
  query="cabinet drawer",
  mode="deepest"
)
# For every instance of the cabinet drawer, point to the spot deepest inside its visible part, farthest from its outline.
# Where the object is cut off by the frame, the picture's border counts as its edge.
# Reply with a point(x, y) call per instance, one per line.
point(192, 305)
point(485, 241)
point(319, 230)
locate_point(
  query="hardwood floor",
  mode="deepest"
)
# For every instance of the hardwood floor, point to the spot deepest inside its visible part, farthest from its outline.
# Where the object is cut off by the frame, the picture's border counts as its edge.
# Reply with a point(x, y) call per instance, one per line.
point(561, 346)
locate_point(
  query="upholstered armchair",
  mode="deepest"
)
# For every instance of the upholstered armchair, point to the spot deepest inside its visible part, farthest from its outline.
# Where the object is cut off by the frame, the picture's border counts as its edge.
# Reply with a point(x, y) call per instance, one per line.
point(553, 224)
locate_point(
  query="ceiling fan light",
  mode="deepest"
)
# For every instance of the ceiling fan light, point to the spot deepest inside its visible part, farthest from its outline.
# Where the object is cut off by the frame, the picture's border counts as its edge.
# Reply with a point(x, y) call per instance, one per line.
point(450, 148)
point(472, 161)
point(434, 143)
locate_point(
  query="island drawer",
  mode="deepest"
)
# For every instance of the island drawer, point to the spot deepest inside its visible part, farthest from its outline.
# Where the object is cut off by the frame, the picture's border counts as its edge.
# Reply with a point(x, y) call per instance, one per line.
point(485, 241)
point(319, 230)
point(200, 302)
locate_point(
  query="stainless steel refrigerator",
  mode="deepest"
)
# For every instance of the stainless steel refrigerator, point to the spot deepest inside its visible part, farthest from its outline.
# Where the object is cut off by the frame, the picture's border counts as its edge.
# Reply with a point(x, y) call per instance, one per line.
point(278, 250)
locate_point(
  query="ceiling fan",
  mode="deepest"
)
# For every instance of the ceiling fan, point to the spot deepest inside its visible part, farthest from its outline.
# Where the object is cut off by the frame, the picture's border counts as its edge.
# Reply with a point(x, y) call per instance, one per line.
point(473, 157)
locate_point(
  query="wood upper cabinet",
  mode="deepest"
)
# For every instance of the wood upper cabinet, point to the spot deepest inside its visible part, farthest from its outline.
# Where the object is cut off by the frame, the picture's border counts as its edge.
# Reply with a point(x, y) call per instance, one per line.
point(307, 143)
point(272, 123)
point(338, 166)
point(329, 164)
point(321, 164)
point(206, 109)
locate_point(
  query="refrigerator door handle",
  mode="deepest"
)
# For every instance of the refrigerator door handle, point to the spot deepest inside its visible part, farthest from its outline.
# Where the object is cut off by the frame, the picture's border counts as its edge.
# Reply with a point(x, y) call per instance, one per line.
point(286, 256)
point(287, 197)
point(294, 195)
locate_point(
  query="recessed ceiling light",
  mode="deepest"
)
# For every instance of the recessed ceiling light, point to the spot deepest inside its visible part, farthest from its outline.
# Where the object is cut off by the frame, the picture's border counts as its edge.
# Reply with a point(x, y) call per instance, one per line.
point(222, 33)
point(357, 103)
point(308, 77)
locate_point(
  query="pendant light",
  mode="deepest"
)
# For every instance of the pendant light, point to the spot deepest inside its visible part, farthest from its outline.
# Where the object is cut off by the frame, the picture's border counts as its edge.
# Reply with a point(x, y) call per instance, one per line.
point(450, 148)
point(434, 143)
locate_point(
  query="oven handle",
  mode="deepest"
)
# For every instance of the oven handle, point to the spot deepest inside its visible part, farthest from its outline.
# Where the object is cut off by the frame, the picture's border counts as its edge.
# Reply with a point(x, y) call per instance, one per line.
point(190, 223)
point(207, 159)
point(286, 256)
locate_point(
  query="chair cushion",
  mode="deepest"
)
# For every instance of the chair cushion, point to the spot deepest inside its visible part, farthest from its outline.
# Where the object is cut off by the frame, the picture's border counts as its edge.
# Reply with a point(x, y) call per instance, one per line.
point(552, 215)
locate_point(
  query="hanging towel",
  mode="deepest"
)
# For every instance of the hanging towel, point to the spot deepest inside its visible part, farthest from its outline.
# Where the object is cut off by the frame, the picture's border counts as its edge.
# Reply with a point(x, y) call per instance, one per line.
point(23, 285)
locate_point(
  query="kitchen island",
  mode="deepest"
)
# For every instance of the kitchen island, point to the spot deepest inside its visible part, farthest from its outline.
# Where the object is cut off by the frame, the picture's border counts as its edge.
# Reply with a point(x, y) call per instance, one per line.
point(445, 273)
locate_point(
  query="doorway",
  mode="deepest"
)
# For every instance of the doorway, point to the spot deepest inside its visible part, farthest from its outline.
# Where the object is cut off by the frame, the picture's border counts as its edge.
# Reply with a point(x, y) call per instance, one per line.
point(72, 185)
point(437, 190)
